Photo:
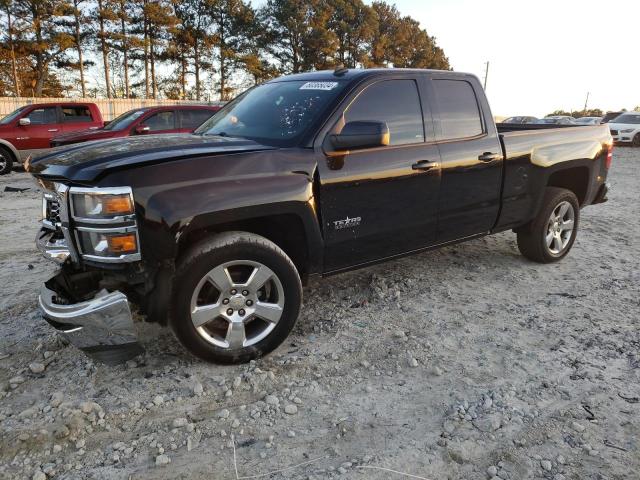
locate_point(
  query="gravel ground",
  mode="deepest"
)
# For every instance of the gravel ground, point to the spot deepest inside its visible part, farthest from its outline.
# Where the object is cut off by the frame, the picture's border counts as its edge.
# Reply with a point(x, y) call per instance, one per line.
point(465, 363)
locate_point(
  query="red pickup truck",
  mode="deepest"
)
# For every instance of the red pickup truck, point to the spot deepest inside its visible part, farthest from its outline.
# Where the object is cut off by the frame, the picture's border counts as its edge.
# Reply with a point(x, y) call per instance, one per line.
point(29, 129)
point(142, 121)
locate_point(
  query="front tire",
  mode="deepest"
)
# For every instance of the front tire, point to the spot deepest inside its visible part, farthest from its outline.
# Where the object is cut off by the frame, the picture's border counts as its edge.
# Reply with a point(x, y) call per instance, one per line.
point(552, 233)
point(236, 297)
point(6, 161)
point(636, 140)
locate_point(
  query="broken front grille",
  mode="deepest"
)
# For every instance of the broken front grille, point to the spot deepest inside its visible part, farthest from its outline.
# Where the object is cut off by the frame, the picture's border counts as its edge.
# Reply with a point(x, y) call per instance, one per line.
point(51, 212)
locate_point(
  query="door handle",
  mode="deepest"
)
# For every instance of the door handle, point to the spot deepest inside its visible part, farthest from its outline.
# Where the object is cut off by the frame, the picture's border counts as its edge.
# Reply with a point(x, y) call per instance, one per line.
point(52, 130)
point(424, 165)
point(489, 157)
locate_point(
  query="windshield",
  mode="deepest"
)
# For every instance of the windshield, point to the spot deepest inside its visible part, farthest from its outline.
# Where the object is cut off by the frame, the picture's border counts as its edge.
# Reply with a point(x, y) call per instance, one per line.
point(275, 114)
point(12, 116)
point(627, 118)
point(124, 120)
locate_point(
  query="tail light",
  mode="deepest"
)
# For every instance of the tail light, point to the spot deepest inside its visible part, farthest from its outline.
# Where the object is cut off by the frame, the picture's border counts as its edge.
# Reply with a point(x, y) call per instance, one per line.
point(607, 163)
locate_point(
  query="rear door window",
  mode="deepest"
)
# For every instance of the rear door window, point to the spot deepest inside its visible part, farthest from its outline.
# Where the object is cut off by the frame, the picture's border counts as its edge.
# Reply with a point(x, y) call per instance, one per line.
point(193, 118)
point(76, 114)
point(161, 121)
point(458, 108)
point(43, 116)
point(395, 102)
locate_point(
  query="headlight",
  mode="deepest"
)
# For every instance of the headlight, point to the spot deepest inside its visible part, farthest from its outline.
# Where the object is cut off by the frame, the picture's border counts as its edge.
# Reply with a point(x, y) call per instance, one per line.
point(627, 130)
point(107, 244)
point(109, 203)
point(105, 224)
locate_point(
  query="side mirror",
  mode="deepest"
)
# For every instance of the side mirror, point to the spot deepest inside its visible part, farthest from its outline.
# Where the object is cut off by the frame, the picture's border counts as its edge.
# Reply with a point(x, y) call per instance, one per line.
point(23, 122)
point(140, 129)
point(355, 135)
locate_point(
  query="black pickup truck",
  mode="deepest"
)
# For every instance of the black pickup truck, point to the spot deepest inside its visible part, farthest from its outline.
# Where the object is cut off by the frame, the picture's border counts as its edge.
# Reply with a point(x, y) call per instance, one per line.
point(214, 233)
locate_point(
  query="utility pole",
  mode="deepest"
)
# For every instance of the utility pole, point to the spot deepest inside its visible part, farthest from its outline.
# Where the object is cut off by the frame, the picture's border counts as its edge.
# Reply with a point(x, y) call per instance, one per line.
point(585, 103)
point(486, 74)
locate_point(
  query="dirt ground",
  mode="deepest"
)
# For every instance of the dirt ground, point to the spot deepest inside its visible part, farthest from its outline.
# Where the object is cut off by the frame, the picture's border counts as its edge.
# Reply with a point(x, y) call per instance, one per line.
point(465, 363)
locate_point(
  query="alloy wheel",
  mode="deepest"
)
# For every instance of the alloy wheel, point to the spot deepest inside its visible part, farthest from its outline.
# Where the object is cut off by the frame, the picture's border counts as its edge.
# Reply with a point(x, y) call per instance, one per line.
point(237, 304)
point(560, 228)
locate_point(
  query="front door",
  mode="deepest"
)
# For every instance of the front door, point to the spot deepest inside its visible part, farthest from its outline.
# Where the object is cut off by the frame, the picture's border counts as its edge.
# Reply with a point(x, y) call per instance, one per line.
point(380, 202)
point(44, 125)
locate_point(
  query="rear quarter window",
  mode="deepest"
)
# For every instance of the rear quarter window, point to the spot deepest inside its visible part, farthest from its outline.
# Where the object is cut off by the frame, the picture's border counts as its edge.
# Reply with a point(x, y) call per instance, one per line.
point(458, 108)
point(77, 114)
point(193, 118)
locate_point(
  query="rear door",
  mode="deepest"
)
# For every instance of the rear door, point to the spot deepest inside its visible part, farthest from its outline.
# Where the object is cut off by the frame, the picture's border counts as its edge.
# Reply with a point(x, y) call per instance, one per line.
point(191, 118)
point(76, 117)
point(471, 157)
point(380, 202)
point(45, 124)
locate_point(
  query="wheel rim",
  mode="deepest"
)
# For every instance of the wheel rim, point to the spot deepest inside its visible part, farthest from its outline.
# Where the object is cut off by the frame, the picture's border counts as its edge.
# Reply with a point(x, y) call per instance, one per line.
point(3, 161)
point(237, 304)
point(560, 228)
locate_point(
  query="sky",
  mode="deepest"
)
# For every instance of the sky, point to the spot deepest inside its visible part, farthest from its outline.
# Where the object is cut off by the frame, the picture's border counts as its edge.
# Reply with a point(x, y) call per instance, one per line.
point(543, 55)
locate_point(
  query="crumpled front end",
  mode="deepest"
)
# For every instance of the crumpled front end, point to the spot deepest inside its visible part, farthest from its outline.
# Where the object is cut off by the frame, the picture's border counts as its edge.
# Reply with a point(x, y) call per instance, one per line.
point(83, 303)
point(101, 326)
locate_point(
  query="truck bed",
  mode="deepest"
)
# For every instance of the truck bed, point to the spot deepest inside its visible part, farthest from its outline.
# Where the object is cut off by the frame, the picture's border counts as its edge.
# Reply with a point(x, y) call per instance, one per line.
point(535, 157)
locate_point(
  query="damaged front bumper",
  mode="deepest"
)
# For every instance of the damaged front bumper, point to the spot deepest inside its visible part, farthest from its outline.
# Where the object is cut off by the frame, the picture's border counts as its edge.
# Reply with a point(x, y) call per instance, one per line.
point(102, 327)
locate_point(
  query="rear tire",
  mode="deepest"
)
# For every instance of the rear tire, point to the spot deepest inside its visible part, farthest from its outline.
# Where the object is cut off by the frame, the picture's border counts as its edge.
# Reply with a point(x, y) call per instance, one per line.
point(6, 161)
point(552, 233)
point(236, 297)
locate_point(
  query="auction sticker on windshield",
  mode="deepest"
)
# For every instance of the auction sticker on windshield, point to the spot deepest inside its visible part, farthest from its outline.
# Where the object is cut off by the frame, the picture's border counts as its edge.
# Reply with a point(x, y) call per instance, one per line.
point(319, 86)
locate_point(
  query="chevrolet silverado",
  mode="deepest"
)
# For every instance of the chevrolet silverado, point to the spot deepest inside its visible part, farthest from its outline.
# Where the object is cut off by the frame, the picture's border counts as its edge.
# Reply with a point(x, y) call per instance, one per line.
point(214, 233)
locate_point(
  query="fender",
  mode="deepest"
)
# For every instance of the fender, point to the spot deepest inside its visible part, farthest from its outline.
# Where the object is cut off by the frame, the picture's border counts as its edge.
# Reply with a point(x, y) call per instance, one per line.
point(12, 149)
point(179, 201)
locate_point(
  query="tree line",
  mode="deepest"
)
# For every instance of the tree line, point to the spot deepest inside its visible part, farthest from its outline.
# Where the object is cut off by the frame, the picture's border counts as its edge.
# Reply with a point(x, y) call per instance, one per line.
point(195, 49)
point(591, 112)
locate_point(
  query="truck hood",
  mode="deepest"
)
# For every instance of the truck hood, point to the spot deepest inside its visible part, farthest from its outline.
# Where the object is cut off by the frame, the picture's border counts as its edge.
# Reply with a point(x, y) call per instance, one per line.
point(82, 135)
point(85, 162)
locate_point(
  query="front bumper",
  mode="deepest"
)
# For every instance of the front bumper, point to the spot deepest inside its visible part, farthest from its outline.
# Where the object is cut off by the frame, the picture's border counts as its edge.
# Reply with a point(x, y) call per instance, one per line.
point(623, 137)
point(102, 327)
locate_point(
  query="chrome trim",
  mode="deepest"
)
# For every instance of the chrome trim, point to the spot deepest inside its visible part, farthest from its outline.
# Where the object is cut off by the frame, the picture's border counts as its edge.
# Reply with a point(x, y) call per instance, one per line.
point(102, 221)
point(57, 250)
point(129, 257)
point(122, 229)
point(103, 190)
point(102, 326)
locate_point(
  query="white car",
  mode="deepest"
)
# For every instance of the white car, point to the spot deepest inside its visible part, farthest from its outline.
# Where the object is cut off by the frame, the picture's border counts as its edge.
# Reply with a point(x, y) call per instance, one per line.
point(556, 120)
point(626, 128)
point(588, 120)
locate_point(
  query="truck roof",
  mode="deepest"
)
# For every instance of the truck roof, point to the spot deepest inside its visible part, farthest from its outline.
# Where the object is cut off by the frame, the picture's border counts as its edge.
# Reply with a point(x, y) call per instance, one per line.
point(353, 73)
point(66, 102)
